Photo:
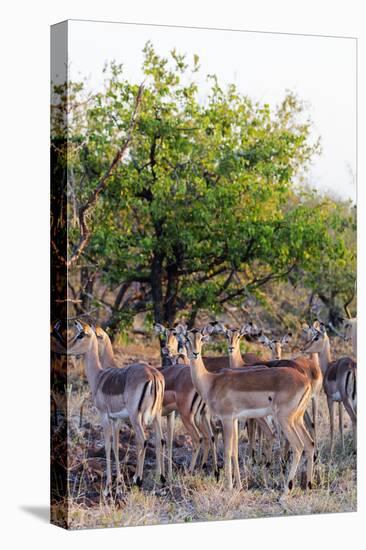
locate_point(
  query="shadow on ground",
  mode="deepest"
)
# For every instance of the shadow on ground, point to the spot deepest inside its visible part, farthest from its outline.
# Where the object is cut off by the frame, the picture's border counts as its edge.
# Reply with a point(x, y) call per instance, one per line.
point(40, 512)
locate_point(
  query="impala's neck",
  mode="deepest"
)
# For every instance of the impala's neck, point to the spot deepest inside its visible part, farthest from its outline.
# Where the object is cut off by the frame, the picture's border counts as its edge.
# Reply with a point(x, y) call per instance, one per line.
point(185, 358)
point(314, 358)
point(182, 353)
point(235, 358)
point(201, 378)
point(325, 355)
point(92, 364)
point(107, 359)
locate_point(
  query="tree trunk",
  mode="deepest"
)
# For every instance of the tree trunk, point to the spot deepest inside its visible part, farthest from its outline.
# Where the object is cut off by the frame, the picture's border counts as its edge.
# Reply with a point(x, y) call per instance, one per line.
point(157, 286)
point(86, 292)
point(170, 303)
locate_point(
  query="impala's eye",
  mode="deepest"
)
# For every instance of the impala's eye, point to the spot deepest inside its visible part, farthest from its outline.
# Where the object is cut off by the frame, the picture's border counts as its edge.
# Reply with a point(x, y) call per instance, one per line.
point(80, 335)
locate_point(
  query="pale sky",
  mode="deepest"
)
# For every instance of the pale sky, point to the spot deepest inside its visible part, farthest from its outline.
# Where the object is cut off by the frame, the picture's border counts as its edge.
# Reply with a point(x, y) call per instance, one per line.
point(321, 70)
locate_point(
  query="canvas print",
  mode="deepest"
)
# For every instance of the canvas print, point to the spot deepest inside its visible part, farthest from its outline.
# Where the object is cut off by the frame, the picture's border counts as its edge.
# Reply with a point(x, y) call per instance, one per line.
point(203, 275)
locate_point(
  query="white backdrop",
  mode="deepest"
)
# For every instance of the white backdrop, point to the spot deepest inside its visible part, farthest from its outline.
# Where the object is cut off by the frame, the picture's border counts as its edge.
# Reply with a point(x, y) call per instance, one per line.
point(24, 204)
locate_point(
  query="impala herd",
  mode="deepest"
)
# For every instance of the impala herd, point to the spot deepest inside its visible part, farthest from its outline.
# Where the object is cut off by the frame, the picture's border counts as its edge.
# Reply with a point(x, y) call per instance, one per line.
point(212, 394)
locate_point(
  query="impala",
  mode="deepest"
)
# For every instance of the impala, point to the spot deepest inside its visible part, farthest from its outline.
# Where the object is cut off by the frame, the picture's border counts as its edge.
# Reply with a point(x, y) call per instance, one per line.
point(339, 382)
point(252, 393)
point(309, 366)
point(350, 326)
point(181, 396)
point(275, 345)
point(134, 392)
point(236, 361)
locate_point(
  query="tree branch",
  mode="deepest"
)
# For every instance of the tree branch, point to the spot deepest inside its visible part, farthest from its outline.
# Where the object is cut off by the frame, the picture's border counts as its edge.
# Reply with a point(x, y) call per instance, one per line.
point(85, 231)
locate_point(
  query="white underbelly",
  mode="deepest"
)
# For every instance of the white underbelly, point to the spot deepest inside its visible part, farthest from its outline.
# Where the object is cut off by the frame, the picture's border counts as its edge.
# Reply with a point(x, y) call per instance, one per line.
point(336, 396)
point(254, 413)
point(119, 414)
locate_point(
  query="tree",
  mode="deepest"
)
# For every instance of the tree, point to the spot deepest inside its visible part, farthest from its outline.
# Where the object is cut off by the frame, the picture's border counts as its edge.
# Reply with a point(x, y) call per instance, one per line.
point(203, 207)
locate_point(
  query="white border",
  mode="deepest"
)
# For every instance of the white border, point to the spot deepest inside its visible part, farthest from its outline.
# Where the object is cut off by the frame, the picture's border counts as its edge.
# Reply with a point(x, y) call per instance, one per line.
point(25, 271)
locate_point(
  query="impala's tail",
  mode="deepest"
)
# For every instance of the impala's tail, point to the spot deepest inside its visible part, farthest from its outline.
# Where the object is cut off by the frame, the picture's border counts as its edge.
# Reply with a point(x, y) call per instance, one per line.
point(351, 387)
point(152, 396)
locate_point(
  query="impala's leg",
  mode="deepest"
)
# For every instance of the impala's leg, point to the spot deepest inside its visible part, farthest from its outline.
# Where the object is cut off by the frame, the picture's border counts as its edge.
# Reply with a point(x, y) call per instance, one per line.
point(115, 439)
point(212, 440)
point(353, 416)
point(195, 436)
point(251, 428)
point(308, 422)
point(260, 440)
point(215, 431)
point(309, 445)
point(204, 425)
point(202, 428)
point(107, 430)
point(266, 430)
point(159, 448)
point(354, 429)
point(288, 428)
point(331, 420)
point(234, 453)
point(170, 430)
point(315, 407)
point(228, 427)
point(140, 448)
point(340, 420)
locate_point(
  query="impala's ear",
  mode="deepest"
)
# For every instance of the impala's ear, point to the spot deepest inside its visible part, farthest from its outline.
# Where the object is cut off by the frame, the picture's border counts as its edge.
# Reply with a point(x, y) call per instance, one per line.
point(254, 329)
point(159, 329)
point(181, 329)
point(305, 326)
point(316, 325)
point(286, 338)
point(79, 326)
point(207, 330)
point(322, 328)
point(247, 328)
point(206, 336)
point(220, 328)
point(264, 340)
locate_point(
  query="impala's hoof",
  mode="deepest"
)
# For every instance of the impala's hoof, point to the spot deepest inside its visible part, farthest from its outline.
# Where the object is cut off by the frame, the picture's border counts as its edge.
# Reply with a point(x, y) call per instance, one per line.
point(217, 474)
point(138, 482)
point(162, 479)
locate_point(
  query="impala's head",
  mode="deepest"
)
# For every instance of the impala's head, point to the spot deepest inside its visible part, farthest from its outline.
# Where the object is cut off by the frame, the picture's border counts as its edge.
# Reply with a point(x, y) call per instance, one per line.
point(316, 336)
point(71, 337)
point(234, 335)
point(350, 326)
point(194, 339)
point(169, 336)
point(309, 331)
point(275, 344)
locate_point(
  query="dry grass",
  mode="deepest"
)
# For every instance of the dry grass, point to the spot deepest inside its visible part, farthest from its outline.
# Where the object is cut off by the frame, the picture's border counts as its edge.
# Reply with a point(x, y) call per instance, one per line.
point(190, 498)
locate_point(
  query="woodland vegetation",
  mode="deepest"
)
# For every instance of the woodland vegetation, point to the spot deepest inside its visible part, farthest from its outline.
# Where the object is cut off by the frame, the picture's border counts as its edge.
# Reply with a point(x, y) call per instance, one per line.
point(181, 203)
